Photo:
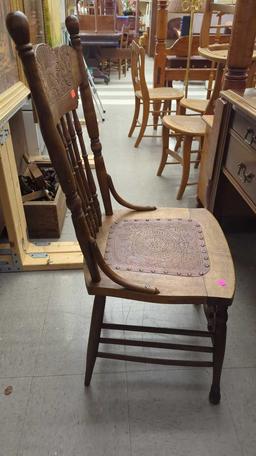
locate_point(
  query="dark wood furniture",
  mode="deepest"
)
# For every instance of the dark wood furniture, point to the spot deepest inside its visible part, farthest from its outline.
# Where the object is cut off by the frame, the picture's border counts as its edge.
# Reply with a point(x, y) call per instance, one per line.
point(229, 190)
point(101, 35)
point(189, 260)
point(224, 185)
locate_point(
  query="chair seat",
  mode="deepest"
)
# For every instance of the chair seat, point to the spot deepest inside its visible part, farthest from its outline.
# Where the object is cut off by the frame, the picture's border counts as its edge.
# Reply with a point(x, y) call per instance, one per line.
point(126, 241)
point(162, 93)
point(192, 126)
point(194, 104)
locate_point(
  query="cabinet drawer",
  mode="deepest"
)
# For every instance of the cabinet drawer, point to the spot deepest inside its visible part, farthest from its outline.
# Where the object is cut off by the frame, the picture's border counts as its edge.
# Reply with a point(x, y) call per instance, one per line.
point(241, 164)
point(245, 127)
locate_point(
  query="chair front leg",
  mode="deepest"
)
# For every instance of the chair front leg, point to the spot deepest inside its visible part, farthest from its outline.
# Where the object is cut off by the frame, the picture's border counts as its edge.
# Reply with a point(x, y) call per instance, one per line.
point(198, 157)
point(167, 107)
point(221, 318)
point(156, 113)
point(94, 336)
point(165, 147)
point(181, 111)
point(135, 116)
point(185, 165)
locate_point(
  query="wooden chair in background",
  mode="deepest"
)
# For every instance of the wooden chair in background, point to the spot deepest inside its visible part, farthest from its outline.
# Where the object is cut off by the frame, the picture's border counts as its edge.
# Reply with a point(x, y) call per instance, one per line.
point(189, 128)
point(146, 97)
point(120, 64)
point(188, 262)
point(124, 42)
point(185, 129)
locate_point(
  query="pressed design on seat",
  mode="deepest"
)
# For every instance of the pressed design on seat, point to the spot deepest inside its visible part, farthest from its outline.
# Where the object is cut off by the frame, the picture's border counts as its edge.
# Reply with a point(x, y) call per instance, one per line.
point(56, 102)
point(160, 246)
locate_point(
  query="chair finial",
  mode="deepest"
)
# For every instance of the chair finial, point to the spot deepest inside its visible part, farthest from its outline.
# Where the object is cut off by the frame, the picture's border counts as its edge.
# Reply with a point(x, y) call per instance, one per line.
point(72, 25)
point(18, 27)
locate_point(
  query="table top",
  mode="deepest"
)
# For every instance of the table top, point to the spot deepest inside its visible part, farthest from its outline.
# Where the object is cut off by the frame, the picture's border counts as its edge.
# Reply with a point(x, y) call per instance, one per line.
point(217, 55)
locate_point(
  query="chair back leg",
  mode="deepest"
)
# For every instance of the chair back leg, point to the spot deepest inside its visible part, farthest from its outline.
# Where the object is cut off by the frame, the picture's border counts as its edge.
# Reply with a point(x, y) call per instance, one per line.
point(135, 116)
point(143, 123)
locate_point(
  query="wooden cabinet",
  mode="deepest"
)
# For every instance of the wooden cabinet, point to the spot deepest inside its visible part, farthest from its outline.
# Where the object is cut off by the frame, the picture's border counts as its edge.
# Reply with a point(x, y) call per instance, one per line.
point(227, 182)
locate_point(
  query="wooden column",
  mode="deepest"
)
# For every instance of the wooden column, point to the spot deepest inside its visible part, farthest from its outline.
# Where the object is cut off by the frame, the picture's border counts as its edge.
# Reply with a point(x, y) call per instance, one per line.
point(161, 35)
point(152, 29)
point(137, 17)
point(241, 45)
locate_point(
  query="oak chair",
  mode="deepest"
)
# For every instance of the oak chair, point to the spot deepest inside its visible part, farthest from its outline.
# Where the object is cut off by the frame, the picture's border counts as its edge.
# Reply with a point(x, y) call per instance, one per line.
point(188, 129)
point(165, 256)
point(124, 42)
point(185, 129)
point(161, 97)
point(213, 34)
point(121, 64)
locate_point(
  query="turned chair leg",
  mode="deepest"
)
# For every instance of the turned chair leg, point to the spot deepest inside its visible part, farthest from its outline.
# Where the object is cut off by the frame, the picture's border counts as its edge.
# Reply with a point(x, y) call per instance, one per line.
point(181, 111)
point(185, 165)
point(94, 336)
point(167, 107)
point(165, 147)
point(156, 113)
point(119, 68)
point(198, 157)
point(178, 143)
point(143, 123)
point(221, 318)
point(135, 116)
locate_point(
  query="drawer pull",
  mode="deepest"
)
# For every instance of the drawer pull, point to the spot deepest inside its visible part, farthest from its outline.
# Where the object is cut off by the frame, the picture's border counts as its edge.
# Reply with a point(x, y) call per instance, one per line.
point(250, 136)
point(245, 177)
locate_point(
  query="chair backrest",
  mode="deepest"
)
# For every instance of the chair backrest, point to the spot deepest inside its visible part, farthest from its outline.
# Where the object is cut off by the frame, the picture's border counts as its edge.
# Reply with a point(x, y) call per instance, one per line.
point(57, 77)
point(138, 69)
point(221, 10)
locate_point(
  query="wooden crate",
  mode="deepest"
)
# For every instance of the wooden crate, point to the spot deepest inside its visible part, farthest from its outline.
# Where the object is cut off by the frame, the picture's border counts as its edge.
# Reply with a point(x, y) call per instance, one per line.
point(45, 218)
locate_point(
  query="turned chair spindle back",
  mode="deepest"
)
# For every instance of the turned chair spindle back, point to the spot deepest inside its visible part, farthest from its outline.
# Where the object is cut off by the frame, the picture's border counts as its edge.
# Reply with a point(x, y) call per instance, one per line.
point(57, 78)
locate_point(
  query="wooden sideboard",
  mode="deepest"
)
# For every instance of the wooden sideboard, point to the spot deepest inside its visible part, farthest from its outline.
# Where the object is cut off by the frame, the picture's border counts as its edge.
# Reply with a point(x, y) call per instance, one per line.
point(227, 181)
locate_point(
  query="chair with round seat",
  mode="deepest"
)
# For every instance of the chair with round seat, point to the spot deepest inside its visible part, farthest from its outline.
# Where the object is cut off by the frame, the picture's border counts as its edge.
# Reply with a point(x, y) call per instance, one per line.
point(197, 106)
point(162, 97)
point(188, 128)
point(193, 104)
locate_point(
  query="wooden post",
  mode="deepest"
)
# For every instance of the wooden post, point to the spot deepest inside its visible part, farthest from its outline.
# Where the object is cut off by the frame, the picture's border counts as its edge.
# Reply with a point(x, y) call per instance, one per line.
point(96, 14)
point(137, 17)
point(152, 29)
point(161, 35)
point(241, 45)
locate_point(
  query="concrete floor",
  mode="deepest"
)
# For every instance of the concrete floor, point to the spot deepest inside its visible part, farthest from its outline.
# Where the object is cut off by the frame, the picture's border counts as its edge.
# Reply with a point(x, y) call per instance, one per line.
point(129, 409)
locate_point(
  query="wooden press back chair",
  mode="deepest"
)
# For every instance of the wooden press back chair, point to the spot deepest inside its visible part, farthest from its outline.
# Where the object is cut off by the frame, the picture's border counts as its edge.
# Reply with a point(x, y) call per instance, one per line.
point(161, 97)
point(165, 256)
